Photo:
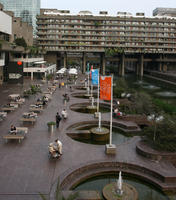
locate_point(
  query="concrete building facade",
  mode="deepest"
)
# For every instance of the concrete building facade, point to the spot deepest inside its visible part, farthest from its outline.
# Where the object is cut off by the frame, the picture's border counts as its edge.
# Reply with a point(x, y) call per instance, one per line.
point(125, 39)
point(165, 12)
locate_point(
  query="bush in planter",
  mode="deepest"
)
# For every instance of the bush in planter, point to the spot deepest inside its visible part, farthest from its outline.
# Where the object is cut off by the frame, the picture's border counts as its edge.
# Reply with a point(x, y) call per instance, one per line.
point(51, 123)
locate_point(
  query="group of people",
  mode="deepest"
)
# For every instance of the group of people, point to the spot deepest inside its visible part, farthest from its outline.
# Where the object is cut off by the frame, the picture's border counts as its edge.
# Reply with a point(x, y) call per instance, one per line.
point(64, 116)
point(116, 112)
point(55, 148)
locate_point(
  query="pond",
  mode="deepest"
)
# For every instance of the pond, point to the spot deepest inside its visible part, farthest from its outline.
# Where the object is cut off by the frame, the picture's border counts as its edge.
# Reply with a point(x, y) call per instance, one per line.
point(117, 138)
point(156, 89)
point(145, 190)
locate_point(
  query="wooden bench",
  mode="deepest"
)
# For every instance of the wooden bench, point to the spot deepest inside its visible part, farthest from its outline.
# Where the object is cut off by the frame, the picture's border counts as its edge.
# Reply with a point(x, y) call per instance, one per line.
point(8, 109)
point(22, 129)
point(13, 137)
point(36, 109)
point(31, 119)
point(3, 114)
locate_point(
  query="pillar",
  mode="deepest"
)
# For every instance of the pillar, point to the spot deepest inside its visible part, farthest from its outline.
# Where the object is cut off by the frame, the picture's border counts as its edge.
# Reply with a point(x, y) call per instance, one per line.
point(141, 67)
point(137, 68)
point(65, 60)
point(32, 75)
point(122, 65)
point(160, 64)
point(84, 62)
point(103, 63)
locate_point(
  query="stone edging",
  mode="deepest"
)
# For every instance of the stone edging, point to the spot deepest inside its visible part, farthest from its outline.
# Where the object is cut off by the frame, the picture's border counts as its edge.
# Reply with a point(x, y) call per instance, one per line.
point(73, 177)
point(143, 149)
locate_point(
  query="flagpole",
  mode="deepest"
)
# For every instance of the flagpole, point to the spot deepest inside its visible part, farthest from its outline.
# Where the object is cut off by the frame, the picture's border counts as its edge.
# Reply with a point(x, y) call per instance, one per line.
point(88, 84)
point(110, 135)
point(98, 98)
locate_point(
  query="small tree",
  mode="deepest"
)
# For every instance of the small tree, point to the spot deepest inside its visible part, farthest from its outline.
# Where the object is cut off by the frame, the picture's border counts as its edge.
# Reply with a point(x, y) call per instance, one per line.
point(165, 134)
point(20, 42)
point(120, 87)
point(142, 103)
point(49, 77)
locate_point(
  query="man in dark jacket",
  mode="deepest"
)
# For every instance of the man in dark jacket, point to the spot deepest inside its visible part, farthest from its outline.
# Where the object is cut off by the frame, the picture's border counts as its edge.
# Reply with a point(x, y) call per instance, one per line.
point(58, 119)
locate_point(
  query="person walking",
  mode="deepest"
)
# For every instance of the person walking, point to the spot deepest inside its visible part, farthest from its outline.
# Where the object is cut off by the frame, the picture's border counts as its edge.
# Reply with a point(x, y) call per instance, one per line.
point(58, 119)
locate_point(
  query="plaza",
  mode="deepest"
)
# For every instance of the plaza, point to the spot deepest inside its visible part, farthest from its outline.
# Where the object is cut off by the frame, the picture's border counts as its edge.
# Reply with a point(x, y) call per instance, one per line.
point(26, 169)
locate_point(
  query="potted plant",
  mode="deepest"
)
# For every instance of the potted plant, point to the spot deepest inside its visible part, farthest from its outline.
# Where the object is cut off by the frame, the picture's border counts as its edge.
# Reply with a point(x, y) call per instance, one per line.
point(51, 126)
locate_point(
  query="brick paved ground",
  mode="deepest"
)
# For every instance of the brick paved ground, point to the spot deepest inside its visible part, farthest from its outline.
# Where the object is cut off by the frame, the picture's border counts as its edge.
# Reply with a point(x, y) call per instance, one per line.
point(25, 168)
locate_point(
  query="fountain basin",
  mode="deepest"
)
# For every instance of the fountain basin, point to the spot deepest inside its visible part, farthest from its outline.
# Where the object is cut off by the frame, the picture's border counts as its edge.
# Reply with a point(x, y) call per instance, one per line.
point(101, 134)
point(129, 192)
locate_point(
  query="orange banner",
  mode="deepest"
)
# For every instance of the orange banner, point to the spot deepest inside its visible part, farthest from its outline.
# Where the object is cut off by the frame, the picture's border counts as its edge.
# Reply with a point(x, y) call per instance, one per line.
point(105, 87)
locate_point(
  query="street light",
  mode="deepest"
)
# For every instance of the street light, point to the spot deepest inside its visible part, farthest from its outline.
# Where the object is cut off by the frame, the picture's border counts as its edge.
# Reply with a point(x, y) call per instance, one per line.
point(155, 119)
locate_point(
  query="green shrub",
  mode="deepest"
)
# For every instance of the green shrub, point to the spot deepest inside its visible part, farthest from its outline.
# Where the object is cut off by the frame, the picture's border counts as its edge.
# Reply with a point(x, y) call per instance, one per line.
point(51, 123)
point(170, 109)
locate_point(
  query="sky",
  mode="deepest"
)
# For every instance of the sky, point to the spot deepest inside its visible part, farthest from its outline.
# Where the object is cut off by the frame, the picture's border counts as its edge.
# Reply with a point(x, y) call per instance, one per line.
point(112, 6)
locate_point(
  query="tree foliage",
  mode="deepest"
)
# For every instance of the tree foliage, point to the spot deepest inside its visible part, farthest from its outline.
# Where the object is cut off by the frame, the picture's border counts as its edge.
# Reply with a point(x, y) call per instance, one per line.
point(142, 103)
point(120, 87)
point(165, 139)
point(113, 51)
point(170, 109)
point(20, 42)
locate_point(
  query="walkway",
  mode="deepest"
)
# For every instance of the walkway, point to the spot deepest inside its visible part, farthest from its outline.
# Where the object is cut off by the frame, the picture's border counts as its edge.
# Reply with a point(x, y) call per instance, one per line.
point(25, 168)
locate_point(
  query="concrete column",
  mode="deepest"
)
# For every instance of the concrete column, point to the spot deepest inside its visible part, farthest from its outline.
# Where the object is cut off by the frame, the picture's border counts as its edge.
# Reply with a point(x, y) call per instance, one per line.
point(122, 66)
point(160, 64)
point(103, 63)
point(32, 75)
point(165, 67)
point(141, 67)
point(65, 60)
point(137, 68)
point(84, 62)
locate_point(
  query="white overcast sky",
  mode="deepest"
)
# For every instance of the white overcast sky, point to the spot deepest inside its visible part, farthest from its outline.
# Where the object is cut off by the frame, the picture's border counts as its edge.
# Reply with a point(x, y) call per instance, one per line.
point(112, 6)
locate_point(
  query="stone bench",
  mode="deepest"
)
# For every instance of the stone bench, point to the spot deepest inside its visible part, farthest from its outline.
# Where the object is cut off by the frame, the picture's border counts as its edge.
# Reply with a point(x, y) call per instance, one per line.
point(36, 109)
point(8, 109)
point(22, 129)
point(13, 137)
point(32, 119)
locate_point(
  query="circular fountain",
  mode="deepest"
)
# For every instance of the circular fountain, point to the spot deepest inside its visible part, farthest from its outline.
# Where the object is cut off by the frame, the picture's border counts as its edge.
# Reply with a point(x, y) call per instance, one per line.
point(100, 134)
point(89, 108)
point(129, 192)
point(87, 132)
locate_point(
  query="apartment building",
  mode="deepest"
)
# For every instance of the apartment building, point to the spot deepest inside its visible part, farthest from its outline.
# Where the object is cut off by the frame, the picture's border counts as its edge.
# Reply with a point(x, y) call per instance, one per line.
point(60, 33)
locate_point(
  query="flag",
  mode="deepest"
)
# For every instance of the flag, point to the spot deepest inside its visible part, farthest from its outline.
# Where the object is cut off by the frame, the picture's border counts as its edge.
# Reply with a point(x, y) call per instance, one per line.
point(105, 87)
point(95, 77)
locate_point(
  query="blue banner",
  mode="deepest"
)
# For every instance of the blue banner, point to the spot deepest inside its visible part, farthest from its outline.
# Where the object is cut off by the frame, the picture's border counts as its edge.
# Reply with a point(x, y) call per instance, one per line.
point(95, 76)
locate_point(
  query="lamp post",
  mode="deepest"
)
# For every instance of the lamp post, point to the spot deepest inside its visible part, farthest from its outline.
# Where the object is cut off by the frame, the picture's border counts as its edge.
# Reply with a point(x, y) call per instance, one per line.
point(155, 119)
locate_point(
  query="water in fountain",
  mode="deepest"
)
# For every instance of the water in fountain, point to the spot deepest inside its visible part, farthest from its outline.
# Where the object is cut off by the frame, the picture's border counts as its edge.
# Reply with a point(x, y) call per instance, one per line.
point(166, 94)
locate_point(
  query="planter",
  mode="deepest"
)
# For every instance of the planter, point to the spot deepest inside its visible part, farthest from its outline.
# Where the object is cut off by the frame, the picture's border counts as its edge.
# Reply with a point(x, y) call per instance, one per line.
point(51, 126)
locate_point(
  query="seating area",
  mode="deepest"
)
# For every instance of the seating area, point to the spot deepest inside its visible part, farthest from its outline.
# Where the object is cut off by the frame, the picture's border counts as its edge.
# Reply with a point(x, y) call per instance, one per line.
point(18, 135)
point(29, 117)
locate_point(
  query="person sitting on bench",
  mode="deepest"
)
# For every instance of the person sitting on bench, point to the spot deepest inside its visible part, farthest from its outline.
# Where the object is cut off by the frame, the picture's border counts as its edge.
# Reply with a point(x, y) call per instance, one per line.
point(13, 130)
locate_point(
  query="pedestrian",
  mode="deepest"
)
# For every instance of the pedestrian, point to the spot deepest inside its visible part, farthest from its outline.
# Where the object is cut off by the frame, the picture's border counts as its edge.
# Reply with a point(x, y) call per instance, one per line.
point(58, 119)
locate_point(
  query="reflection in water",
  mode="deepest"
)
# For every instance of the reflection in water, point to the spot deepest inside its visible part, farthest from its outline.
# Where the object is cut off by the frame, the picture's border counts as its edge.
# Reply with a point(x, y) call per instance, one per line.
point(145, 190)
point(166, 94)
point(117, 139)
point(152, 87)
